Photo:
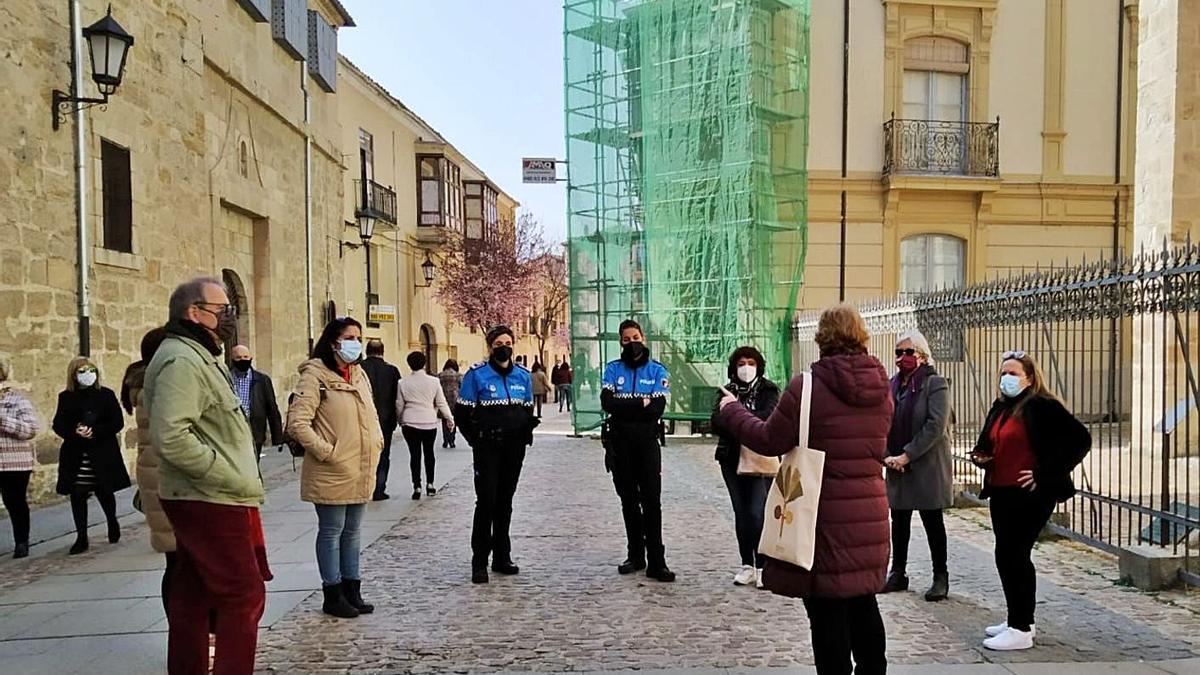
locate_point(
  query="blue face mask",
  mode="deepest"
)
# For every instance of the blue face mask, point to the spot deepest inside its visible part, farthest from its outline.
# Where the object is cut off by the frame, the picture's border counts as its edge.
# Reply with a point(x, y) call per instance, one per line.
point(350, 350)
point(1010, 386)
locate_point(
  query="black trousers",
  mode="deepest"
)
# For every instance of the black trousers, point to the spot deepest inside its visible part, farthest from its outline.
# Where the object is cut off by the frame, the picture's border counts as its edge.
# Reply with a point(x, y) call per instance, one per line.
point(843, 628)
point(385, 464)
point(1018, 516)
point(497, 472)
point(636, 464)
point(79, 509)
point(935, 532)
point(14, 486)
point(420, 442)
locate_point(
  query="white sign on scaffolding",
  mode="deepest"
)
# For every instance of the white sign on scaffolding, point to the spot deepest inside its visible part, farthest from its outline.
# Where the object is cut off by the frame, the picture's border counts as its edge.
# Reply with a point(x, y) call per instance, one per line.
point(539, 170)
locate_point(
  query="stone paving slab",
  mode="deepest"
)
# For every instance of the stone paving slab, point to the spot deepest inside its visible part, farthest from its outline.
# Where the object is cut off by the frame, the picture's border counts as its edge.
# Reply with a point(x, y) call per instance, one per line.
point(569, 611)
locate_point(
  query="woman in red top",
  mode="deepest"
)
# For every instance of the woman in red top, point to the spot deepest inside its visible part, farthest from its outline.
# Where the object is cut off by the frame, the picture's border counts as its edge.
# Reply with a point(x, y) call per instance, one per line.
point(1028, 448)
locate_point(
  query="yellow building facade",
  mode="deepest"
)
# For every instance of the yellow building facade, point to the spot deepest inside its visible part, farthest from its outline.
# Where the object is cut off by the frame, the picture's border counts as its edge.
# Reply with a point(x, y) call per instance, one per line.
point(981, 137)
point(419, 189)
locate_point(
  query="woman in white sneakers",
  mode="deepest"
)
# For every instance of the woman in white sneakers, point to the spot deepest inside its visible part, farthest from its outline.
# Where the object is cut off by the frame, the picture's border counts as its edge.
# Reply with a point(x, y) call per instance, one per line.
point(420, 401)
point(1029, 446)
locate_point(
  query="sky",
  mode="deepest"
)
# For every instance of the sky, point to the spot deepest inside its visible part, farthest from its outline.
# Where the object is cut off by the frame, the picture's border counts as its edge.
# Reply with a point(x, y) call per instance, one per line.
point(487, 74)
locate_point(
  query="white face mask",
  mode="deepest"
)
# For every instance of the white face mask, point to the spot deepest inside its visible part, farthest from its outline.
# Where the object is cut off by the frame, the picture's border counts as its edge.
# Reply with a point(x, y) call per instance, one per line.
point(747, 373)
point(86, 379)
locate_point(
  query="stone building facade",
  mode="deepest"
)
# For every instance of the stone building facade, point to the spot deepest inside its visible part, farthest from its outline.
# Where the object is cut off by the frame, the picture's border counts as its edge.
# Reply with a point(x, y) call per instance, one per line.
point(201, 152)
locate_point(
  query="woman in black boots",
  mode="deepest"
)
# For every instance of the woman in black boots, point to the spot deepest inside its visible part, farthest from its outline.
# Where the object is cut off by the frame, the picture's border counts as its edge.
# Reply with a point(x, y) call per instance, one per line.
point(918, 462)
point(88, 419)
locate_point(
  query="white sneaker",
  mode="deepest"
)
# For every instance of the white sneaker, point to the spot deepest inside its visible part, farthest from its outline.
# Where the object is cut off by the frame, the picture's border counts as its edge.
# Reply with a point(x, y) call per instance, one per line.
point(1010, 640)
point(746, 576)
point(993, 631)
point(758, 578)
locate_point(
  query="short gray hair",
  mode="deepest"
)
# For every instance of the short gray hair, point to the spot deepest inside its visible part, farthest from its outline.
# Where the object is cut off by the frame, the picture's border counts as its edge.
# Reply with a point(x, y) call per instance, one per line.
point(918, 341)
point(190, 293)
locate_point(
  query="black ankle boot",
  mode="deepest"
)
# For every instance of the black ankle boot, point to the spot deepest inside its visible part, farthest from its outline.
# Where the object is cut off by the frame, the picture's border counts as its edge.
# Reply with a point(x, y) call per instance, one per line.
point(895, 583)
point(114, 532)
point(479, 575)
point(505, 567)
point(940, 588)
point(21, 550)
point(80, 545)
point(660, 572)
point(336, 603)
point(352, 591)
point(631, 565)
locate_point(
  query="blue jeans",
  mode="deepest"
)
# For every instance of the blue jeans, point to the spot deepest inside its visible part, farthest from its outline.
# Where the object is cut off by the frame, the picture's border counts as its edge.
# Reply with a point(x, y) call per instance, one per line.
point(338, 541)
point(749, 497)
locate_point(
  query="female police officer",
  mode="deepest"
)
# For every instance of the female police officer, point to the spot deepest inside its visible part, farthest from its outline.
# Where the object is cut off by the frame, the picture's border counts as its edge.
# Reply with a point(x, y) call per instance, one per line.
point(495, 414)
point(634, 394)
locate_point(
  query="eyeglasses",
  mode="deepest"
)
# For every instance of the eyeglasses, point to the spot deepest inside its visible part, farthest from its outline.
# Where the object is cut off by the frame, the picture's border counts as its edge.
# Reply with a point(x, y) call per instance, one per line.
point(1012, 355)
point(226, 310)
point(906, 352)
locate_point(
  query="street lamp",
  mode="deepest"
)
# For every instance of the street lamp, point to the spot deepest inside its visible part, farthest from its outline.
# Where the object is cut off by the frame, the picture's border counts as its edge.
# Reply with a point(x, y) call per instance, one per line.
point(109, 45)
point(427, 269)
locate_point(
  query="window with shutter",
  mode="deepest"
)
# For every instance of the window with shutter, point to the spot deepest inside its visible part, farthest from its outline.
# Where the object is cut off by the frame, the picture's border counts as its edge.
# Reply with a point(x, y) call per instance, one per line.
point(289, 26)
point(118, 197)
point(322, 52)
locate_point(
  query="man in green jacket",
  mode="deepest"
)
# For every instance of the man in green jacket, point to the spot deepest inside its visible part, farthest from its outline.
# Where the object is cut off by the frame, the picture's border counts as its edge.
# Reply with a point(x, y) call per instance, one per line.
point(210, 486)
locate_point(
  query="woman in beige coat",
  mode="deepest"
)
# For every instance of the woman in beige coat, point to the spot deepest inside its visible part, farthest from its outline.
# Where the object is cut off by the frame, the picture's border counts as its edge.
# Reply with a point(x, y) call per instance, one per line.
point(333, 416)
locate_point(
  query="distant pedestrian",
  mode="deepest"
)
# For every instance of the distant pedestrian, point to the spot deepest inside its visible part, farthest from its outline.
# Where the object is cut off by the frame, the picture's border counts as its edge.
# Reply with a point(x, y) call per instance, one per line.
point(747, 489)
point(209, 485)
point(419, 404)
point(635, 394)
point(88, 419)
point(333, 416)
point(19, 425)
point(554, 376)
point(1028, 448)
point(495, 413)
point(566, 377)
point(451, 381)
point(541, 387)
point(257, 394)
point(851, 414)
point(385, 379)
point(918, 462)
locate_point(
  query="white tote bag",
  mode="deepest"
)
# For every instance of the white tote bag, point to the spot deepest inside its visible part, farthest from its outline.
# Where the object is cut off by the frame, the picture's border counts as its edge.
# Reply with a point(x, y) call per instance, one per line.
point(790, 527)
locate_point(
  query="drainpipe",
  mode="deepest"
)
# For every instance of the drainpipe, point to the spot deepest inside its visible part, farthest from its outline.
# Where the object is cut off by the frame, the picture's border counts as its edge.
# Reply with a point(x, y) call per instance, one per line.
point(1113, 344)
point(81, 230)
point(308, 262)
point(845, 139)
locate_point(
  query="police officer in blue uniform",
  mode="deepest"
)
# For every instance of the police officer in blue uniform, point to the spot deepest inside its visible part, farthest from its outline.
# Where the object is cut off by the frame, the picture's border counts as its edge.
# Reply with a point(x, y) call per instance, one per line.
point(634, 393)
point(495, 414)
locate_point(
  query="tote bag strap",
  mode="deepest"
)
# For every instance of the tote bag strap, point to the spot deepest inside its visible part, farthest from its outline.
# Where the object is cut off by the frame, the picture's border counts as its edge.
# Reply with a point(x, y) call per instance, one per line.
point(806, 381)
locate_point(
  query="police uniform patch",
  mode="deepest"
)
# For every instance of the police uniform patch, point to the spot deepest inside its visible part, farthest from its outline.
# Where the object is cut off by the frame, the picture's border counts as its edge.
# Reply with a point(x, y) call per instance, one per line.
point(621, 380)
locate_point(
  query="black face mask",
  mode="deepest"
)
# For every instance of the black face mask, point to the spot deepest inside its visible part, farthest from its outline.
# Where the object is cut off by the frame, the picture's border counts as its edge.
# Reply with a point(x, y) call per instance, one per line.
point(242, 366)
point(633, 351)
point(226, 328)
point(502, 354)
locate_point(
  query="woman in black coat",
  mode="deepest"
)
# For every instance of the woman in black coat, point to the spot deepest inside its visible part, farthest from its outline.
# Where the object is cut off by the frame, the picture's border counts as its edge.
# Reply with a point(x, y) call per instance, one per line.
point(747, 490)
point(88, 419)
point(1028, 448)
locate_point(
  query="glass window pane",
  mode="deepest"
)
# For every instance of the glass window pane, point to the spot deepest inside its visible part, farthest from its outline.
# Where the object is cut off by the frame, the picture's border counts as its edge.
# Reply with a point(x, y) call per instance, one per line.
point(429, 196)
point(474, 189)
point(474, 208)
point(948, 89)
point(916, 94)
point(429, 167)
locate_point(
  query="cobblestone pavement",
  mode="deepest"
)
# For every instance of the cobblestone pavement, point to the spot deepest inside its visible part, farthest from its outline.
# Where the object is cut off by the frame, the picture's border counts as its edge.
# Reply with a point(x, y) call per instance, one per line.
point(568, 610)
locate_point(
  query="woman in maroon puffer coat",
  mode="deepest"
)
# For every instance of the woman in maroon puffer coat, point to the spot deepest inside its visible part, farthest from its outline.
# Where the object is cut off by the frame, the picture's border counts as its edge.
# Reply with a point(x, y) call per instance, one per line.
point(851, 415)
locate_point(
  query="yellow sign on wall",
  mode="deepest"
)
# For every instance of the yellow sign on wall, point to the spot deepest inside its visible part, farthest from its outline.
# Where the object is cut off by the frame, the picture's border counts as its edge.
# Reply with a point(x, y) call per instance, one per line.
point(381, 313)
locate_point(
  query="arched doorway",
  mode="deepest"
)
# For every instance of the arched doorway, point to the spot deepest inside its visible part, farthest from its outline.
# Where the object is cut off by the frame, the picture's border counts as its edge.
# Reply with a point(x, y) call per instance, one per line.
point(238, 298)
point(429, 346)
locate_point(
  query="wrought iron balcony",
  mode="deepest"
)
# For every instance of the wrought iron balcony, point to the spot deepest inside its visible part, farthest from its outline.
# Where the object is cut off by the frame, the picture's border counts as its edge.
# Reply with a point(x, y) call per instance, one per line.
point(931, 147)
point(376, 201)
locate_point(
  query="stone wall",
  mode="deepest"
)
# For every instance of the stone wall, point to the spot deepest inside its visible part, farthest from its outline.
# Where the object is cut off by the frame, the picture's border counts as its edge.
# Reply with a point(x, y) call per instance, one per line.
point(212, 113)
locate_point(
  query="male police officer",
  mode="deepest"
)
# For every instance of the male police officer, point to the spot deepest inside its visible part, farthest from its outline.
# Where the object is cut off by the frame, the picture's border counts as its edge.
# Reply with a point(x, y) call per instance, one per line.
point(495, 414)
point(634, 394)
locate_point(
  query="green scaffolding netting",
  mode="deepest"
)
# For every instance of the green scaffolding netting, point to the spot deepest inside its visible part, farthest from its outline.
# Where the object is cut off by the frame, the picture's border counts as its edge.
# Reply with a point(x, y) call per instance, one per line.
point(687, 135)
